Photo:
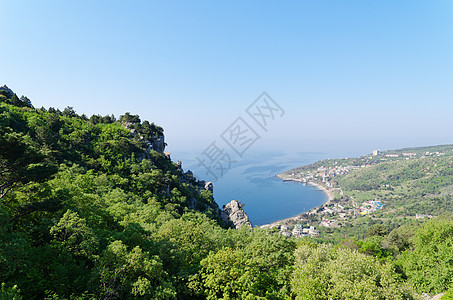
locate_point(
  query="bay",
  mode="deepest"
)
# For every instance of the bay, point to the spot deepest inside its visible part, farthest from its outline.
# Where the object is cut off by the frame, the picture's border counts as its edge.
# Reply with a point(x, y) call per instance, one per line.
point(252, 181)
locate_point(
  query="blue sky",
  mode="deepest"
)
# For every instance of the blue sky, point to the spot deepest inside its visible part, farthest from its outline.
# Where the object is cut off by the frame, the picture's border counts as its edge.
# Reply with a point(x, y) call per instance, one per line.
point(351, 75)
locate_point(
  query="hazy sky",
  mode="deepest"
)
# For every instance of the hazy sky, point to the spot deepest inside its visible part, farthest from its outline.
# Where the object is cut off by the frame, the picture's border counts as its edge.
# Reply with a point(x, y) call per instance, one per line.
point(349, 74)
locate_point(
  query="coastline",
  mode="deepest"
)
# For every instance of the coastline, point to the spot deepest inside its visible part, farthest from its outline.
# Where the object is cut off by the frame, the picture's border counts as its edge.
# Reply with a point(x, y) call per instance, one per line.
point(330, 196)
point(326, 191)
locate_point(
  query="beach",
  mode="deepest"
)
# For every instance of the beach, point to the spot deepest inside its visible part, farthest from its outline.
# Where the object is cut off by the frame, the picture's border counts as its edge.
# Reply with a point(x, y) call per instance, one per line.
point(327, 192)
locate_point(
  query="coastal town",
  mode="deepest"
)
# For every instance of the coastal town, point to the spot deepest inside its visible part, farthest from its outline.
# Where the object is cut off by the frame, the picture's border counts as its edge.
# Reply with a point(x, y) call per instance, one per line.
point(339, 207)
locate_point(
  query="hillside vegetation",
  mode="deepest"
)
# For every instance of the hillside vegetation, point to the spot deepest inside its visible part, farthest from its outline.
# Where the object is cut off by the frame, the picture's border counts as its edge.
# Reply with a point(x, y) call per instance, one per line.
point(391, 188)
point(92, 208)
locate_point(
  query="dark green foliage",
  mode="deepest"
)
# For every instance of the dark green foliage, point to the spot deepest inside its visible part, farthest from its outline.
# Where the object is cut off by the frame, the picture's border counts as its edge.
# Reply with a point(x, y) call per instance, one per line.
point(78, 205)
point(26, 102)
point(69, 112)
point(128, 118)
point(377, 230)
point(399, 239)
point(86, 212)
point(16, 101)
point(10, 293)
point(21, 161)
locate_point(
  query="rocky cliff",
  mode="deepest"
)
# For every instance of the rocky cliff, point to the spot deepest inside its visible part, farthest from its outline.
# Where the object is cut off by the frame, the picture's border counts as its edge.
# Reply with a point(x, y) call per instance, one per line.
point(233, 212)
point(153, 142)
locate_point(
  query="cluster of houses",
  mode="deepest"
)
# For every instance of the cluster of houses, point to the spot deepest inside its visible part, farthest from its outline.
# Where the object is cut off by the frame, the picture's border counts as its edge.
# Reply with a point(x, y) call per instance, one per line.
point(422, 216)
point(339, 170)
point(298, 231)
point(405, 154)
point(329, 172)
point(367, 207)
point(412, 154)
point(328, 223)
point(336, 208)
point(325, 173)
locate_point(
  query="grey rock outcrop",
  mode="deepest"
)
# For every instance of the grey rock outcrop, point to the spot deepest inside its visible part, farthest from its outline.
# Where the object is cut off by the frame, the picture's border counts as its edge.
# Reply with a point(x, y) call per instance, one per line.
point(209, 187)
point(233, 212)
point(204, 186)
point(158, 144)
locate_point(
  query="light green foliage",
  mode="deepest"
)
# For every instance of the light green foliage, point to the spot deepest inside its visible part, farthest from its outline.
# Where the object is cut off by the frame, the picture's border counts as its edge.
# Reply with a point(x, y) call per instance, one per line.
point(121, 272)
point(309, 281)
point(447, 295)
point(258, 269)
point(72, 232)
point(429, 264)
point(193, 237)
point(323, 272)
point(224, 275)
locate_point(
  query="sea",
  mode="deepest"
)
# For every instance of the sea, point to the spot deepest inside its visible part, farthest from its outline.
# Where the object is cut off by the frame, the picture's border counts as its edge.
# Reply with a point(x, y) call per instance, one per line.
point(251, 180)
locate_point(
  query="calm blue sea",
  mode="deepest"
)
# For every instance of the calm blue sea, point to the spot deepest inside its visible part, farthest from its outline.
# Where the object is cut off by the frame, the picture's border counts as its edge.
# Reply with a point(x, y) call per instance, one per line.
point(251, 180)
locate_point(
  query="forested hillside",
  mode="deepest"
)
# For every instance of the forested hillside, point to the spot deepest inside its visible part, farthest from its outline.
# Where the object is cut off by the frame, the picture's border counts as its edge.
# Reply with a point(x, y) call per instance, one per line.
point(92, 208)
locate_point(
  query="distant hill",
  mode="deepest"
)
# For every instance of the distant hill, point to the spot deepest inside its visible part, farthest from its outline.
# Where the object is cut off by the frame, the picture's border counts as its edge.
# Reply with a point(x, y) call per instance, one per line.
point(407, 183)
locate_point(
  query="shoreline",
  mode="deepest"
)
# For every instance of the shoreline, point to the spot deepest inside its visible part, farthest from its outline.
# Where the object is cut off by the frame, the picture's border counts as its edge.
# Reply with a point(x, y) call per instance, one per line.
point(319, 186)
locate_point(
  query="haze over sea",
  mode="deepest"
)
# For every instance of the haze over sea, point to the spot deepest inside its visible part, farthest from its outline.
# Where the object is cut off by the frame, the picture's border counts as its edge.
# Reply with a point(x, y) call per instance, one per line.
point(252, 181)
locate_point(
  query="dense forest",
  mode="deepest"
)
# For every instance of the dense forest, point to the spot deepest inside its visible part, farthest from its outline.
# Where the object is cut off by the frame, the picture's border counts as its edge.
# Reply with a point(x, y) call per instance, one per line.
point(92, 208)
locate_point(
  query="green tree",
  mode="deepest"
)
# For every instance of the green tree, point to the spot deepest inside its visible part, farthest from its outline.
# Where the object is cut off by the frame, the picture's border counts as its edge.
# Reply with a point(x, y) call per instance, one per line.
point(26, 102)
point(20, 162)
point(69, 112)
point(429, 264)
point(377, 230)
point(128, 118)
point(73, 233)
point(10, 293)
point(257, 267)
point(16, 101)
point(121, 273)
point(224, 275)
point(324, 272)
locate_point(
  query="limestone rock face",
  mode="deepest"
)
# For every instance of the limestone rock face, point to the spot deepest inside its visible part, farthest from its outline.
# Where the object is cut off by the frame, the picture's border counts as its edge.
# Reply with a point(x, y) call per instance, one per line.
point(233, 212)
point(158, 144)
point(209, 187)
